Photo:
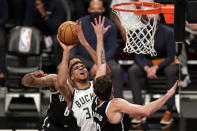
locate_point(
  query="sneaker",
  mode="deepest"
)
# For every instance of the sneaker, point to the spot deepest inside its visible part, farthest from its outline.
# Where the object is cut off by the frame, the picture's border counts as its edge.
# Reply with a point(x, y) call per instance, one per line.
point(166, 127)
point(138, 119)
point(184, 81)
point(167, 118)
point(139, 127)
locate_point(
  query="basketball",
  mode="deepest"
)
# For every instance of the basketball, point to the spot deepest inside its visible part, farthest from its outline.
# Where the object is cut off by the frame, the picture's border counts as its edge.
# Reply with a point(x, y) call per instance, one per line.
point(67, 33)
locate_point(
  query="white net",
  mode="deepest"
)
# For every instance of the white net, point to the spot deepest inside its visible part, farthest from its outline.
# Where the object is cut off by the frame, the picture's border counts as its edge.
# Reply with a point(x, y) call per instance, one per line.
point(140, 30)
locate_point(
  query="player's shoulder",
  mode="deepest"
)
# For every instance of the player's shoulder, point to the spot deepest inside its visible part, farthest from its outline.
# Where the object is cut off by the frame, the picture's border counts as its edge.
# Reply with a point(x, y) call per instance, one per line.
point(115, 104)
point(116, 101)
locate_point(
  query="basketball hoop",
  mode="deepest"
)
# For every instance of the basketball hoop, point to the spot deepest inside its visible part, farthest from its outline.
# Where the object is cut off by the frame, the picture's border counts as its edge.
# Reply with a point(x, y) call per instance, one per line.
point(140, 21)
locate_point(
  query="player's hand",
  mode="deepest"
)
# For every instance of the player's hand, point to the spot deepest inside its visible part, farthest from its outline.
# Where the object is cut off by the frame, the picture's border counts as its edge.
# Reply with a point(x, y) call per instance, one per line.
point(39, 74)
point(105, 28)
point(28, 79)
point(173, 89)
point(66, 47)
point(99, 26)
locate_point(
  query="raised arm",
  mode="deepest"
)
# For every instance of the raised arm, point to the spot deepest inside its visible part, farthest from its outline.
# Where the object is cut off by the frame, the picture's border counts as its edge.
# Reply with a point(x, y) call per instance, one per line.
point(121, 105)
point(62, 77)
point(84, 42)
point(100, 52)
point(39, 79)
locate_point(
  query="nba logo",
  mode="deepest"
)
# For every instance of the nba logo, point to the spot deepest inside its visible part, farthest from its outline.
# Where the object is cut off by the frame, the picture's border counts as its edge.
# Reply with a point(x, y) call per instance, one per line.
point(25, 40)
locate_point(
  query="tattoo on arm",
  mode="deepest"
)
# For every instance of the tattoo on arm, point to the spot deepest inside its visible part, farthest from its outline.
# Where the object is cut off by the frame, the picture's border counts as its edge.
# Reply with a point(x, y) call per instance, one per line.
point(49, 82)
point(103, 57)
point(32, 81)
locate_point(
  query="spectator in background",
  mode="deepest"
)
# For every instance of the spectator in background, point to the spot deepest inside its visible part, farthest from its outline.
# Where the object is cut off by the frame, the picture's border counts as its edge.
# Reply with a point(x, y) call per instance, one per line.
point(79, 8)
point(110, 44)
point(3, 18)
point(150, 66)
point(191, 30)
point(46, 15)
point(185, 77)
point(192, 26)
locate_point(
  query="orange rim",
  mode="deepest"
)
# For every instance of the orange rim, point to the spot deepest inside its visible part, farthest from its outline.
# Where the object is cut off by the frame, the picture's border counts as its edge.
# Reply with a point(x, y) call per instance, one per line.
point(156, 8)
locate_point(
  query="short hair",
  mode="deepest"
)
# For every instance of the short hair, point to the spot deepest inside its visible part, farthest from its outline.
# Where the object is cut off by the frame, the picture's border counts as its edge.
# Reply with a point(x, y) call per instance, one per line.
point(103, 87)
point(74, 57)
point(71, 66)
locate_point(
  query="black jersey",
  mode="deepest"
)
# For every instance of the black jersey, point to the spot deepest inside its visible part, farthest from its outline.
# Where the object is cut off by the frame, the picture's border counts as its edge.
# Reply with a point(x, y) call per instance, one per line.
point(100, 118)
point(58, 112)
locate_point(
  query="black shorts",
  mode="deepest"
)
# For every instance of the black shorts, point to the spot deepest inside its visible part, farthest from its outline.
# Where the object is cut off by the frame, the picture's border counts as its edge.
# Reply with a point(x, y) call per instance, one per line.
point(48, 126)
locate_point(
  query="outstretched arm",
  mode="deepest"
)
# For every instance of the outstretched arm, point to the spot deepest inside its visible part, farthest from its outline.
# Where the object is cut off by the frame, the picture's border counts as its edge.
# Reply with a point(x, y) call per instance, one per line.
point(120, 105)
point(100, 52)
point(84, 42)
point(39, 79)
point(62, 77)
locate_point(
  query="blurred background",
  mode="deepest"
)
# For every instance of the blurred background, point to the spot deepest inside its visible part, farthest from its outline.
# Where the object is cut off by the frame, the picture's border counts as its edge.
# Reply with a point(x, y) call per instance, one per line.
point(23, 108)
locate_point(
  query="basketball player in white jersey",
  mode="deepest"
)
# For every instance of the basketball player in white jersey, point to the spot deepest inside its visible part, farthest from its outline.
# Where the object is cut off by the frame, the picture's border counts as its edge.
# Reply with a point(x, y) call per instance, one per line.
point(79, 99)
point(58, 116)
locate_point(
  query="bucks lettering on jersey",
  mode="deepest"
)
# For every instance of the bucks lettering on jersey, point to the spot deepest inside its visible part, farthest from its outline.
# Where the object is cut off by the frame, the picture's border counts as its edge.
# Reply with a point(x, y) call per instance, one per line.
point(81, 107)
point(58, 112)
point(99, 112)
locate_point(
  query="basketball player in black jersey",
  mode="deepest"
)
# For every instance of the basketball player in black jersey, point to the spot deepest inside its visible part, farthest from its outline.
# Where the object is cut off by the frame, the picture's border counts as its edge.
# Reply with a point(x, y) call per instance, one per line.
point(108, 111)
point(58, 116)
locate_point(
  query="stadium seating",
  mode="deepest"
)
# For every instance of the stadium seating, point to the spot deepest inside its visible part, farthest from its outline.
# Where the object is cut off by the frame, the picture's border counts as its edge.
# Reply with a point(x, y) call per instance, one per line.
point(23, 56)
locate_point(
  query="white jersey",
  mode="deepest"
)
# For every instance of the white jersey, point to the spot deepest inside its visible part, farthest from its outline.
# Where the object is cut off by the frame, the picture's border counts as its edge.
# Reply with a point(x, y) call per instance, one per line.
point(82, 108)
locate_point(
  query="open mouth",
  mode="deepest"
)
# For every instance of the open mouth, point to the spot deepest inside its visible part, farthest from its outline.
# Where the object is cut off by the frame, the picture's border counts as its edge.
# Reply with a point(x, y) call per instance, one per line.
point(82, 73)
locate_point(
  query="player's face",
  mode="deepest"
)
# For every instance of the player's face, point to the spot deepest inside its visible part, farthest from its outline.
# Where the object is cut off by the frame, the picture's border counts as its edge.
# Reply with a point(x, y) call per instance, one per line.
point(79, 72)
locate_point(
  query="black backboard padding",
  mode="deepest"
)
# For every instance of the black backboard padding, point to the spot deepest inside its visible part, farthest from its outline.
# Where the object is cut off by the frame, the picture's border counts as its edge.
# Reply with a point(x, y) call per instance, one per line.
point(179, 21)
